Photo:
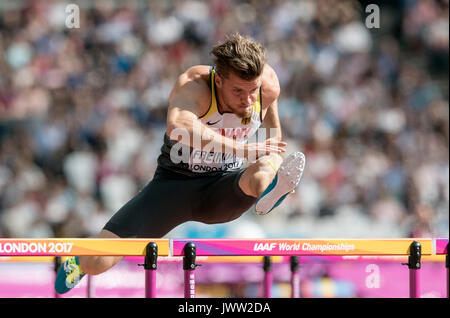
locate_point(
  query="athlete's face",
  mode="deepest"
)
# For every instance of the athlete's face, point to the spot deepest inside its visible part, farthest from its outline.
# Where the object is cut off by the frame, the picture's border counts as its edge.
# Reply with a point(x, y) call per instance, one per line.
point(237, 94)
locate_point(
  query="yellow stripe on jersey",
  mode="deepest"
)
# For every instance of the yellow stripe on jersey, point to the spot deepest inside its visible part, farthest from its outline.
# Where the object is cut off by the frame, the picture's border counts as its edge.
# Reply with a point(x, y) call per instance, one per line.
point(257, 105)
point(213, 107)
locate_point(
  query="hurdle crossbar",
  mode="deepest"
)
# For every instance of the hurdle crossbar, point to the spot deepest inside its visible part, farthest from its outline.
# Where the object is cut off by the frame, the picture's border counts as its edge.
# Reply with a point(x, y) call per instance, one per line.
point(80, 247)
point(191, 248)
point(301, 247)
point(216, 247)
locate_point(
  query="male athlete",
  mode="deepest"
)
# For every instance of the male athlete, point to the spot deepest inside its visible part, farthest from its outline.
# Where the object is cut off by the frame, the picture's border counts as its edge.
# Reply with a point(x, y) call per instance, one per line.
point(213, 111)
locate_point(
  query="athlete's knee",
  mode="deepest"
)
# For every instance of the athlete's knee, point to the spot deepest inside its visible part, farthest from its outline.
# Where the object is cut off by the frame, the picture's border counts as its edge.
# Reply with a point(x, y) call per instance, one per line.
point(95, 265)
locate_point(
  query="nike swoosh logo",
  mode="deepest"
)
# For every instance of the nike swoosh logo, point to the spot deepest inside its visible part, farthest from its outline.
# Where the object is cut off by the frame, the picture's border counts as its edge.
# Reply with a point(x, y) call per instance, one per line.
point(210, 123)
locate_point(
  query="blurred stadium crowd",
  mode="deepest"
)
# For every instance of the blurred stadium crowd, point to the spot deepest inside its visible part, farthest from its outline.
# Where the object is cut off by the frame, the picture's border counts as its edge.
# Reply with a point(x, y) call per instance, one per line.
point(82, 111)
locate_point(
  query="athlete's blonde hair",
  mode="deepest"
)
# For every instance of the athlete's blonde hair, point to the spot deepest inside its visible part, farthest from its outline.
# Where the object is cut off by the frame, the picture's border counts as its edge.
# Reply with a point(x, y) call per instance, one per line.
point(241, 55)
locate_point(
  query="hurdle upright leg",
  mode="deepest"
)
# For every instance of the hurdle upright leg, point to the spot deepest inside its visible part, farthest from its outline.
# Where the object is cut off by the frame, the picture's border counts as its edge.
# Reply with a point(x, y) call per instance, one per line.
point(415, 254)
point(150, 266)
point(89, 286)
point(56, 265)
point(295, 277)
point(268, 278)
point(189, 270)
point(447, 265)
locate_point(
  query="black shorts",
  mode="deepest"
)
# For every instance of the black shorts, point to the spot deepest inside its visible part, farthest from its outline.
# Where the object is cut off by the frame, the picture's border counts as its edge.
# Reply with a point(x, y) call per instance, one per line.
point(171, 199)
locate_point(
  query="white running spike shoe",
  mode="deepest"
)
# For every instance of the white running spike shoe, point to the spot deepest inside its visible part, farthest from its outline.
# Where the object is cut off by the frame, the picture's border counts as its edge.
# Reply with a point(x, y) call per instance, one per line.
point(285, 181)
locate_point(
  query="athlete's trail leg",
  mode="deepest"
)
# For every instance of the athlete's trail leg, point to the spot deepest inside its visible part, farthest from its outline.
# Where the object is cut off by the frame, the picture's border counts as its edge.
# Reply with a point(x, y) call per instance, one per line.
point(260, 174)
point(94, 265)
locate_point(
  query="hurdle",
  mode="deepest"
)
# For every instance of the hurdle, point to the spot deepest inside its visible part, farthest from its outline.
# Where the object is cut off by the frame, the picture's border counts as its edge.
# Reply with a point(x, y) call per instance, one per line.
point(442, 249)
point(189, 249)
point(150, 248)
point(414, 248)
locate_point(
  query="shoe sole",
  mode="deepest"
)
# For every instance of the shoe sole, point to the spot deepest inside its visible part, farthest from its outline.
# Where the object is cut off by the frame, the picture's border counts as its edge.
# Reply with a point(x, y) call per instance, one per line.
point(289, 175)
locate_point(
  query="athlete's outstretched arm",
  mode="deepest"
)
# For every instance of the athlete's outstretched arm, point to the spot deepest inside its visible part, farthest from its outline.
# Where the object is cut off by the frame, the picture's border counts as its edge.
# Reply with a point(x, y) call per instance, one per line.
point(183, 118)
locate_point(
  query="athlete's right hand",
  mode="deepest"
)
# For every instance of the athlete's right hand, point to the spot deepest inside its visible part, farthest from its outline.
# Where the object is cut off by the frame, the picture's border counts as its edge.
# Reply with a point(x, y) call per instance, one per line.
point(258, 149)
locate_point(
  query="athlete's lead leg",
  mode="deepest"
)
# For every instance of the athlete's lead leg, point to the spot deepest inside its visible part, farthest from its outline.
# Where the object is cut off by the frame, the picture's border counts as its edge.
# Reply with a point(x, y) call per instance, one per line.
point(270, 179)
